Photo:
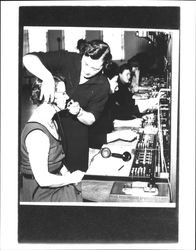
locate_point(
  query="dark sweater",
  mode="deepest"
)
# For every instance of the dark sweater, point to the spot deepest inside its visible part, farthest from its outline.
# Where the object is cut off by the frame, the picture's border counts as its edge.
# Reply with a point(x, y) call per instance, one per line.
point(121, 106)
point(91, 96)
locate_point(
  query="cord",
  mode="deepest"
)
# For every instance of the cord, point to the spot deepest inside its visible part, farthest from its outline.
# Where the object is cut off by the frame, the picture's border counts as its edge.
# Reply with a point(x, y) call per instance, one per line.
point(92, 159)
point(170, 189)
point(161, 135)
point(58, 120)
point(119, 139)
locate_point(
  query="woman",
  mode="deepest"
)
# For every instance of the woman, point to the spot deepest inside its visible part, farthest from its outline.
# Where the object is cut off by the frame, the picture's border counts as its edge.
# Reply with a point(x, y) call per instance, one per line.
point(124, 107)
point(87, 87)
point(44, 177)
point(120, 105)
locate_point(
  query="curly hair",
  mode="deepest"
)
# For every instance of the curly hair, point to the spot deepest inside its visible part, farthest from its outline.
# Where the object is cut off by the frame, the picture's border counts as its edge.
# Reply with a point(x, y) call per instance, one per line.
point(97, 49)
point(36, 90)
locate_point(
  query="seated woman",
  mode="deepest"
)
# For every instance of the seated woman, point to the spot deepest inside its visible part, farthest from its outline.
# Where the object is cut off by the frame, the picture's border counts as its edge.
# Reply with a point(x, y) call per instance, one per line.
point(123, 105)
point(121, 115)
point(44, 177)
point(117, 107)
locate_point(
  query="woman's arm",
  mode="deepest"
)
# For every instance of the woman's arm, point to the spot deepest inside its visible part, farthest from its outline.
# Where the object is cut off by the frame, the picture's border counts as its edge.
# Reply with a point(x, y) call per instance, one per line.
point(34, 65)
point(38, 144)
point(86, 117)
point(83, 116)
point(135, 123)
point(127, 135)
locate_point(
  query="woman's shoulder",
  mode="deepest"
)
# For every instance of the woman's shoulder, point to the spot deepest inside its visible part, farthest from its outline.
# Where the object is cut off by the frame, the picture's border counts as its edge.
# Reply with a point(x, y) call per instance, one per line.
point(33, 139)
point(102, 80)
point(105, 83)
point(33, 126)
point(68, 53)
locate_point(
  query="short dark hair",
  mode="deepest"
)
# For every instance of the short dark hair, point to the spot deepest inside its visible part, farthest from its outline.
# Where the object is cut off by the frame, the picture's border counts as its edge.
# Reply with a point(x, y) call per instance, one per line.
point(96, 49)
point(81, 45)
point(123, 67)
point(112, 70)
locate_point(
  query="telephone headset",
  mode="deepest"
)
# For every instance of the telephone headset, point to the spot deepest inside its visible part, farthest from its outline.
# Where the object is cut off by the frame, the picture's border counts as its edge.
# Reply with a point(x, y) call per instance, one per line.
point(56, 79)
point(69, 100)
point(56, 117)
point(105, 152)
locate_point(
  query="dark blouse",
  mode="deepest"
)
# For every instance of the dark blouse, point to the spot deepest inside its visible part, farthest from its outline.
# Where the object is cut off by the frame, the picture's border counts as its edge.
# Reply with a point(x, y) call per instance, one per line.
point(121, 106)
point(91, 96)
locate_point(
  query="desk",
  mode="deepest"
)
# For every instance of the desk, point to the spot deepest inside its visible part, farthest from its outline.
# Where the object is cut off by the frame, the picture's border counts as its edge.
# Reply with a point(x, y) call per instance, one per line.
point(111, 166)
point(103, 191)
point(94, 190)
point(112, 179)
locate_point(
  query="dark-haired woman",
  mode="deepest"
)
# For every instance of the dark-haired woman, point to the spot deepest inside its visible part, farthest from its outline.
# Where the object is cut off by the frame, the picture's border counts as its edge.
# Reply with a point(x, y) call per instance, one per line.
point(81, 45)
point(44, 177)
point(86, 85)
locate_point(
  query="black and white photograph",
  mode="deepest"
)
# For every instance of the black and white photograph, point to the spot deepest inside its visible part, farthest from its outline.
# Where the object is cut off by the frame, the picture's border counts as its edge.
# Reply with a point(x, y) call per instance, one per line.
point(121, 127)
point(99, 126)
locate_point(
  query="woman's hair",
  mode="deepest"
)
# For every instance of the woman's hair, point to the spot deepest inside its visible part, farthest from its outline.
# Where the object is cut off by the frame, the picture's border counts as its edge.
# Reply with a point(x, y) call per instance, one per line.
point(36, 90)
point(123, 67)
point(81, 45)
point(112, 70)
point(97, 49)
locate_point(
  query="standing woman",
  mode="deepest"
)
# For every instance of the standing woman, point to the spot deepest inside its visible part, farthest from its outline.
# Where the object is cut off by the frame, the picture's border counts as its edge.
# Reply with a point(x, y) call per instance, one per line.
point(44, 177)
point(86, 85)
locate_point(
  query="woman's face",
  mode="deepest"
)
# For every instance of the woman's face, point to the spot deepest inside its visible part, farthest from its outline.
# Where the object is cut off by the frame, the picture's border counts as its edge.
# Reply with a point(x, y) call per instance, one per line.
point(125, 76)
point(60, 95)
point(90, 67)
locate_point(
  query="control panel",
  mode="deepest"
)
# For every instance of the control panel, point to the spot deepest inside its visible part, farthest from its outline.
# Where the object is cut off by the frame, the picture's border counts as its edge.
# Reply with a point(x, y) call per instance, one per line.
point(145, 156)
point(152, 153)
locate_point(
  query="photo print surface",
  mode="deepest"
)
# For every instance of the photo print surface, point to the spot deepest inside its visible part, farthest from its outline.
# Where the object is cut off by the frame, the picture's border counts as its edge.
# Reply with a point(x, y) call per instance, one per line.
point(131, 177)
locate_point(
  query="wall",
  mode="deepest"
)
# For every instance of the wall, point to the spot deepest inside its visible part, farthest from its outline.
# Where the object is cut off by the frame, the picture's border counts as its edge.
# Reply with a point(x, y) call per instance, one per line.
point(124, 44)
point(134, 44)
point(55, 40)
point(93, 34)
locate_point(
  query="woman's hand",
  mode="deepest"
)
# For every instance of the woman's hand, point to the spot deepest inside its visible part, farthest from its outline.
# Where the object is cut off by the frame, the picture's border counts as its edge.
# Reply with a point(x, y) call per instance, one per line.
point(83, 116)
point(34, 65)
point(126, 134)
point(48, 90)
point(64, 170)
point(149, 117)
point(73, 107)
point(77, 176)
